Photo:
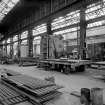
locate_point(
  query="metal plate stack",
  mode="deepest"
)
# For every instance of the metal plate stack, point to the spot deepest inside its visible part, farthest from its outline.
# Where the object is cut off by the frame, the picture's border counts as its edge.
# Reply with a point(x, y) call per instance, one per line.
point(42, 90)
point(30, 82)
point(9, 96)
point(11, 72)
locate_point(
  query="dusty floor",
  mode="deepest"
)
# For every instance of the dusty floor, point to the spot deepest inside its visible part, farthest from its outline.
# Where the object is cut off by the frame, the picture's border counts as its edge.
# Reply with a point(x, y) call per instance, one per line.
point(71, 82)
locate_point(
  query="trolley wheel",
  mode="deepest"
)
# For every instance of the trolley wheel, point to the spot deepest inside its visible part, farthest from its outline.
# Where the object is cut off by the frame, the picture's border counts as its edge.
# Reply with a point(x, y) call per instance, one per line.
point(66, 69)
point(80, 68)
point(57, 67)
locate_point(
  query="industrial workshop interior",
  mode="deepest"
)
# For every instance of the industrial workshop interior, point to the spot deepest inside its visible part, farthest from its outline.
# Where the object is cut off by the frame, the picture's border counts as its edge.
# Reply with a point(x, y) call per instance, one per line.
point(52, 52)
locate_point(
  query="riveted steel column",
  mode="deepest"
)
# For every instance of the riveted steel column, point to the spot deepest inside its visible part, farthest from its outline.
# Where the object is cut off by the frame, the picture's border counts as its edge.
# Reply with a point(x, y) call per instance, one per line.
point(82, 47)
point(30, 42)
point(49, 32)
point(11, 47)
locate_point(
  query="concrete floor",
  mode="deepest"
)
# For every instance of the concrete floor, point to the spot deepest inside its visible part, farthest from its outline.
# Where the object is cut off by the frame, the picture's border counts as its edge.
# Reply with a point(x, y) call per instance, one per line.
point(71, 82)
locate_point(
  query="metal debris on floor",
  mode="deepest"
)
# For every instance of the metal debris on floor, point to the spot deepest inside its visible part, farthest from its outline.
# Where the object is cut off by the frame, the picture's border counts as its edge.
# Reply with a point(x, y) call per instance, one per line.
point(9, 96)
point(41, 90)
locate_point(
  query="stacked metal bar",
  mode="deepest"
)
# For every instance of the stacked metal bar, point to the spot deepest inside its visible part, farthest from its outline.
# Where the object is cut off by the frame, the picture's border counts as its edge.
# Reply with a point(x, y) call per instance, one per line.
point(9, 96)
point(40, 89)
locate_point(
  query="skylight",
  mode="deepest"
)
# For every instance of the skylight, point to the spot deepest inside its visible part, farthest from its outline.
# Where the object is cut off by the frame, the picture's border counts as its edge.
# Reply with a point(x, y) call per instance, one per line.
point(6, 6)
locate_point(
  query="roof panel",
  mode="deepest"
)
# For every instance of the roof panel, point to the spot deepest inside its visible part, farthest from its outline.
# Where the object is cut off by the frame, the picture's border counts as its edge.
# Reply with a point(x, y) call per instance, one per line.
point(10, 4)
point(6, 6)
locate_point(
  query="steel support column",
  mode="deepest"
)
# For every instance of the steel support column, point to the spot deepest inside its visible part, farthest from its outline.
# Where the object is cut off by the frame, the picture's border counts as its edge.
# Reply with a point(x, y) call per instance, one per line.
point(19, 44)
point(82, 39)
point(11, 47)
point(6, 48)
point(30, 43)
point(49, 32)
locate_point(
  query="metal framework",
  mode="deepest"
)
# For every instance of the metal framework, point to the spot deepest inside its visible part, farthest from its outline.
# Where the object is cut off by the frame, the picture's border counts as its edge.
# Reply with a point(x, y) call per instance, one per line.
point(93, 12)
point(6, 6)
point(67, 20)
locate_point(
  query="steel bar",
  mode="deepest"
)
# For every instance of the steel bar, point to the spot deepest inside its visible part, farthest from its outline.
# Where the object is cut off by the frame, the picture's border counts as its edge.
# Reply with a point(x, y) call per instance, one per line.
point(40, 90)
point(9, 96)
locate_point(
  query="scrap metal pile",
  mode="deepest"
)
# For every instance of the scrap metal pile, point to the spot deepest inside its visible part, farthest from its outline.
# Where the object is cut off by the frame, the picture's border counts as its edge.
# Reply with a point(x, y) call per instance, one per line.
point(41, 90)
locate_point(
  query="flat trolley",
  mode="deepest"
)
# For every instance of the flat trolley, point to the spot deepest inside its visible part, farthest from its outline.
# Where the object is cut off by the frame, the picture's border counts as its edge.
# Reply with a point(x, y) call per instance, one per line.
point(65, 65)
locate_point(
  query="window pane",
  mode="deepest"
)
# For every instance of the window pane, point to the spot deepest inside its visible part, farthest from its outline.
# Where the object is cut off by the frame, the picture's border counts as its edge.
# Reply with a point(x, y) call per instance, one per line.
point(40, 29)
point(68, 19)
point(24, 34)
point(15, 38)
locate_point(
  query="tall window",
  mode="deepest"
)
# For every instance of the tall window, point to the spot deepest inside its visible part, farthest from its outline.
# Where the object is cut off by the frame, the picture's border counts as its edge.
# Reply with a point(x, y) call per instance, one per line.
point(68, 27)
point(36, 46)
point(8, 50)
point(15, 48)
point(8, 47)
point(38, 30)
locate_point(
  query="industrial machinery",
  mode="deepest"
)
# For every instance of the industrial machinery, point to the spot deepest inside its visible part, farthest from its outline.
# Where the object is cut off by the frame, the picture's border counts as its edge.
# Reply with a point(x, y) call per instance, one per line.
point(54, 57)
